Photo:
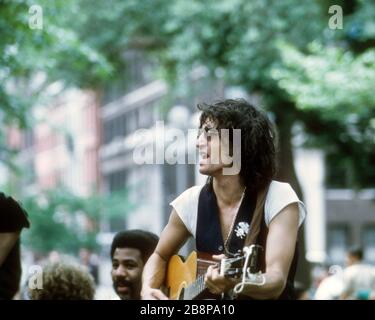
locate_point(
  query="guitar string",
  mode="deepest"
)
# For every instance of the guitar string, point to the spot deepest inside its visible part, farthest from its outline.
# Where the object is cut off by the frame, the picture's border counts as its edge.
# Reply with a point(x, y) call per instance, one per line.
point(195, 288)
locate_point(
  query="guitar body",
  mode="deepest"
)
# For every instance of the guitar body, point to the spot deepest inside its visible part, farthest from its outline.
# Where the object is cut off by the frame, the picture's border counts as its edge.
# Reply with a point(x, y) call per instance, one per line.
point(180, 274)
point(185, 278)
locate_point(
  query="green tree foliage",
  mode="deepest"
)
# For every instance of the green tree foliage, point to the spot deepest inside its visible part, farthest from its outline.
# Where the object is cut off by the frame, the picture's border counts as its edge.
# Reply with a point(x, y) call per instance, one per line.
point(332, 86)
point(282, 50)
point(32, 59)
point(240, 41)
point(334, 90)
point(65, 222)
point(238, 36)
point(75, 48)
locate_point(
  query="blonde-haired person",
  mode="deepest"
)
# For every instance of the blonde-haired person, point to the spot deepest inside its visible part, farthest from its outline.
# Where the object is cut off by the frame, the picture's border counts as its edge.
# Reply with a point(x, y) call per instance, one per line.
point(64, 281)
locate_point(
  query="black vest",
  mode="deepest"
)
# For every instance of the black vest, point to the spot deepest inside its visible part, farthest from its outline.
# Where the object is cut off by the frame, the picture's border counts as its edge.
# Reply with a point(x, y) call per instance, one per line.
point(209, 238)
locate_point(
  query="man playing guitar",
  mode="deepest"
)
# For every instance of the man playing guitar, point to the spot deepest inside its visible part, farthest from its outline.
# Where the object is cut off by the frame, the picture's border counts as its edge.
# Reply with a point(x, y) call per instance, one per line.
point(221, 216)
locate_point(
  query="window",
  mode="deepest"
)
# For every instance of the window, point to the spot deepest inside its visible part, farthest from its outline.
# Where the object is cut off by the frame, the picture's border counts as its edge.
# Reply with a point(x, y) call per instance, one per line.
point(117, 180)
point(114, 128)
point(139, 69)
point(107, 132)
point(136, 71)
point(369, 243)
point(131, 121)
point(339, 174)
point(117, 224)
point(143, 117)
point(337, 243)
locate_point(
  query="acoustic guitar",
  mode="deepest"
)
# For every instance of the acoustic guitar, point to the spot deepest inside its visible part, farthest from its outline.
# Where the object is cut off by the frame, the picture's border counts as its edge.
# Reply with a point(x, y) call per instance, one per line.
point(185, 279)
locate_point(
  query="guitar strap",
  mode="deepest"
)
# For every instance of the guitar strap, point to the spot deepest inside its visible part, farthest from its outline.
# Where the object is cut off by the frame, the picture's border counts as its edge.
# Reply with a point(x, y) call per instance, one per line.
point(259, 231)
point(258, 235)
point(258, 217)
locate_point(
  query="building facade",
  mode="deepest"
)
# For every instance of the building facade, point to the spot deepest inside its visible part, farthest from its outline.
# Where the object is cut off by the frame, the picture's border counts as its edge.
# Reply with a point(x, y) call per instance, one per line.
point(61, 149)
point(350, 221)
point(151, 186)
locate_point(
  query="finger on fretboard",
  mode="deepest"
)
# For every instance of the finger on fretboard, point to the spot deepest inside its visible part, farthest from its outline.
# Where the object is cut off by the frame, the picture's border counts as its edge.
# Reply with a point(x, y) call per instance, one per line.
point(205, 260)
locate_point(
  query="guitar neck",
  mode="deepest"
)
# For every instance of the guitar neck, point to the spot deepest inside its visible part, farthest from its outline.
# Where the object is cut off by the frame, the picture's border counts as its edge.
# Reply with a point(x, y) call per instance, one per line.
point(195, 289)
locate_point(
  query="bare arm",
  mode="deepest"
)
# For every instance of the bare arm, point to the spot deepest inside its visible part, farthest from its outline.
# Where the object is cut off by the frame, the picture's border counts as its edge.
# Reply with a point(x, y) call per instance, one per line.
point(172, 238)
point(280, 246)
point(7, 241)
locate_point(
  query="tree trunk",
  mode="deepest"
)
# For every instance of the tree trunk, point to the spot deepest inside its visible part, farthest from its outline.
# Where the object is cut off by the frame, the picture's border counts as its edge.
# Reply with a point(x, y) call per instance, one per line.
point(284, 118)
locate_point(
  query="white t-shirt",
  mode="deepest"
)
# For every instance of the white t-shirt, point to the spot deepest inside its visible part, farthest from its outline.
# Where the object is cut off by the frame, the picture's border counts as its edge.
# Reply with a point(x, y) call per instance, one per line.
point(279, 195)
point(330, 288)
point(359, 277)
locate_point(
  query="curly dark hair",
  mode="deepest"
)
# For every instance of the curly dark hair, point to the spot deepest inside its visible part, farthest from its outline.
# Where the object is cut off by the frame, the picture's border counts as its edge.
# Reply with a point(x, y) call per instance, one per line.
point(63, 281)
point(258, 151)
point(142, 240)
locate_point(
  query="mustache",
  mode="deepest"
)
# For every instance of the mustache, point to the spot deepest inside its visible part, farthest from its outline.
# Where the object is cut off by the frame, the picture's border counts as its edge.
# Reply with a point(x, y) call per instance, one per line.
point(122, 283)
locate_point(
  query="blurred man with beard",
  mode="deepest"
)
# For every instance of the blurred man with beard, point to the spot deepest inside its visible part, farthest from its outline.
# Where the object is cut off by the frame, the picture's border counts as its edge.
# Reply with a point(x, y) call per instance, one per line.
point(130, 251)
